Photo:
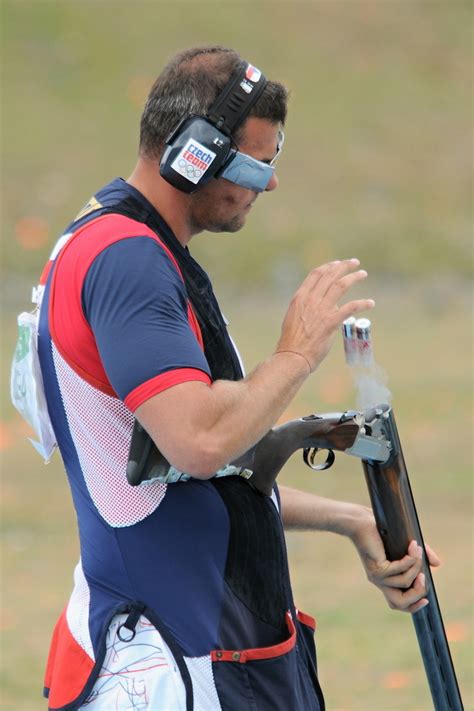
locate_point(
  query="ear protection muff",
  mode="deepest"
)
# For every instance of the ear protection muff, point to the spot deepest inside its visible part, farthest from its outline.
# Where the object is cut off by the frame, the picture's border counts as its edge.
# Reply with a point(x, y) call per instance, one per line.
point(199, 146)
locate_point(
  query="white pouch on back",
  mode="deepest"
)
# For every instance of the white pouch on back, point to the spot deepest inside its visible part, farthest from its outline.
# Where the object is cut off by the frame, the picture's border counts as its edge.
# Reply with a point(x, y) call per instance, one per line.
point(26, 385)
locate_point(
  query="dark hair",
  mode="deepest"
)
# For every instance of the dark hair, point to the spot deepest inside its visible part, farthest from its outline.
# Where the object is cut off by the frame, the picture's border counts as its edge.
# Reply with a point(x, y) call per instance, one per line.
point(189, 84)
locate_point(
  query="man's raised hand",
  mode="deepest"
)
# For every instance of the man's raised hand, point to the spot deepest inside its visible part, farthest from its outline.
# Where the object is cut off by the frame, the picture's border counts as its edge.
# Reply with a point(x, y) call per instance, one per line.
point(315, 314)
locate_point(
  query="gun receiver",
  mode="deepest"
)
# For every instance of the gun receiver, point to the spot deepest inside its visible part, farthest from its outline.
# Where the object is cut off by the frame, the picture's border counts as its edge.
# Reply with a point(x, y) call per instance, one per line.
point(264, 461)
point(343, 432)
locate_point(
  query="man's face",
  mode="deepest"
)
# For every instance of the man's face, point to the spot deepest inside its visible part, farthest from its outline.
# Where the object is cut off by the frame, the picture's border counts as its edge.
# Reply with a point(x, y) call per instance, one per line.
point(222, 206)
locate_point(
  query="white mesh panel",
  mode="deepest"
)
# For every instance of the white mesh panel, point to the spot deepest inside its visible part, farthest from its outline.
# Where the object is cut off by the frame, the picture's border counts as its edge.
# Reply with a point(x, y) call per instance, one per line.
point(101, 428)
point(204, 688)
point(77, 612)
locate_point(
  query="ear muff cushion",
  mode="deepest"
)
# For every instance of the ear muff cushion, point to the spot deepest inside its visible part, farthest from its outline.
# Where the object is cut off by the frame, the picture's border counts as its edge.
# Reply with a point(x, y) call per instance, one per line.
point(194, 155)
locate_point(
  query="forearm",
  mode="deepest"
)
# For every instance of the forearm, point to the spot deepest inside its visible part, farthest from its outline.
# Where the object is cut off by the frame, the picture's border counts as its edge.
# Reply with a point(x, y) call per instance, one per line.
point(243, 412)
point(304, 511)
point(401, 581)
point(222, 420)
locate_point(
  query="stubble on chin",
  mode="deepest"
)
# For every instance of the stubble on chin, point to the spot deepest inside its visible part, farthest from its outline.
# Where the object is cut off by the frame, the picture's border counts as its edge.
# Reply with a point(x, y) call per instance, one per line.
point(233, 225)
point(217, 224)
point(216, 212)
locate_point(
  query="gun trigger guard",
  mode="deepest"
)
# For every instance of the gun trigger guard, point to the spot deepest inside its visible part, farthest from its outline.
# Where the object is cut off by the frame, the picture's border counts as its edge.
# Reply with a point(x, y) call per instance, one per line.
point(309, 456)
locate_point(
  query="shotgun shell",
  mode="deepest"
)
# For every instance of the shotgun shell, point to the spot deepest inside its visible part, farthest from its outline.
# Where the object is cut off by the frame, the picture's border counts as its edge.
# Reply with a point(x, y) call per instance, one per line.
point(350, 343)
point(364, 343)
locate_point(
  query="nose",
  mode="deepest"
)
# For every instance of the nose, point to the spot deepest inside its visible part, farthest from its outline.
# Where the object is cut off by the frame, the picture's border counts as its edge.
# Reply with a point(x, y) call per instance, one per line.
point(273, 183)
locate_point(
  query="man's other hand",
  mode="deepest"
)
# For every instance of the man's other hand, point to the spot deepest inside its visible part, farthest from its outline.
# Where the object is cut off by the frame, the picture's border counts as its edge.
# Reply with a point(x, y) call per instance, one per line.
point(401, 581)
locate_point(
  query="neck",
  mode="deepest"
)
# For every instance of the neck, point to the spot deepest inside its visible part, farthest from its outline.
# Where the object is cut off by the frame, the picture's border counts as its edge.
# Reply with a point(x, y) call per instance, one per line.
point(173, 205)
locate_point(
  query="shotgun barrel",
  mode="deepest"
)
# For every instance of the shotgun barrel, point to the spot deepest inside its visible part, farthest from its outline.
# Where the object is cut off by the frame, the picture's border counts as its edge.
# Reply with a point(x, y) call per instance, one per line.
point(397, 521)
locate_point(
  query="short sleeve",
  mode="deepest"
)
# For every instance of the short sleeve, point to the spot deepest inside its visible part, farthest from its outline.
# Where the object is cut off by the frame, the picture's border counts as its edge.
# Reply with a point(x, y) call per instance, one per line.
point(135, 302)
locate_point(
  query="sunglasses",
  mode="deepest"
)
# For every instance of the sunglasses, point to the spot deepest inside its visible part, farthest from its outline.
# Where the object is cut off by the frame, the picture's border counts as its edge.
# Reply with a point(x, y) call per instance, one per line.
point(249, 172)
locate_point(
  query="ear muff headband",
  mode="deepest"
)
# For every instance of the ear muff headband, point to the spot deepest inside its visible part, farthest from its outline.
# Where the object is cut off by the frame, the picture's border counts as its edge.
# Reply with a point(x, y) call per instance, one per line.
point(199, 146)
point(233, 104)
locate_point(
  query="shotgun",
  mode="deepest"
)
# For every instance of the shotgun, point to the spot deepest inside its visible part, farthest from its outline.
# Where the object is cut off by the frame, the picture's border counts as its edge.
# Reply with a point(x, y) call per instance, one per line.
point(371, 436)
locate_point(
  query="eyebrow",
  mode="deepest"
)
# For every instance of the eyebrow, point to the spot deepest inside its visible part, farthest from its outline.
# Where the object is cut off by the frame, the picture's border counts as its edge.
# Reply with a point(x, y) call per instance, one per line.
point(267, 161)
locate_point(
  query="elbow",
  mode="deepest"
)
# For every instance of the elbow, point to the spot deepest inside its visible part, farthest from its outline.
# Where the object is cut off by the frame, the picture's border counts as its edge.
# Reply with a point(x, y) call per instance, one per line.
point(201, 459)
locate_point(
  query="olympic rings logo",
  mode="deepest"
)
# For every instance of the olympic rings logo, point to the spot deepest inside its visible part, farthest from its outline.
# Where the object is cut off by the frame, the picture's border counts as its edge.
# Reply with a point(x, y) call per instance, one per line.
point(188, 170)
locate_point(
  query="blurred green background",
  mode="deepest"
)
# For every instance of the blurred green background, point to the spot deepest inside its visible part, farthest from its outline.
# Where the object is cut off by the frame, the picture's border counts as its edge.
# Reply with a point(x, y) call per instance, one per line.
point(377, 164)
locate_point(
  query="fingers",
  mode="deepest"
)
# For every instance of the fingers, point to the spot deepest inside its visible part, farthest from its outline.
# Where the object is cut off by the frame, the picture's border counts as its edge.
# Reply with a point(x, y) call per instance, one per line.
point(423, 602)
point(406, 569)
point(339, 279)
point(324, 276)
point(337, 276)
point(404, 579)
point(354, 307)
point(314, 314)
point(403, 572)
point(327, 284)
point(327, 274)
point(410, 600)
point(333, 280)
point(403, 583)
point(433, 558)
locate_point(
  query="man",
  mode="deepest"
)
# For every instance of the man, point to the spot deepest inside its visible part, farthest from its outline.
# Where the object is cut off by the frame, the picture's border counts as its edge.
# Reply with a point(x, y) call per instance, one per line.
point(182, 597)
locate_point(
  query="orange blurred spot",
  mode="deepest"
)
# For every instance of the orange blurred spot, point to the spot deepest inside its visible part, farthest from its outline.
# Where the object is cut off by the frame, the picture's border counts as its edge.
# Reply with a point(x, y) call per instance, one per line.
point(396, 680)
point(138, 88)
point(13, 430)
point(32, 232)
point(6, 438)
point(20, 429)
point(457, 632)
point(7, 621)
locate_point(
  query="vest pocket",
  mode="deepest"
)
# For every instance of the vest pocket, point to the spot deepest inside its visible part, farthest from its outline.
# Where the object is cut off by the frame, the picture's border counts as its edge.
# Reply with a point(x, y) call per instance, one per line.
point(266, 678)
point(306, 629)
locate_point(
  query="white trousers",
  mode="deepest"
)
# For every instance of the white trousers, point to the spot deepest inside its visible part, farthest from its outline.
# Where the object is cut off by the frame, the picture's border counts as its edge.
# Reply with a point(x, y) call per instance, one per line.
point(140, 675)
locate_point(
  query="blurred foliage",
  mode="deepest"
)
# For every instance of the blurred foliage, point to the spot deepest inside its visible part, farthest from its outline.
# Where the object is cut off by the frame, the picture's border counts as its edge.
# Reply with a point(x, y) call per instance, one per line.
point(377, 161)
point(377, 164)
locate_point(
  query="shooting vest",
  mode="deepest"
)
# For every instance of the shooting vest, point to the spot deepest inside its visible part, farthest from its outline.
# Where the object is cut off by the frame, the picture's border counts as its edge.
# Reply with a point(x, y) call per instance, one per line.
point(278, 655)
